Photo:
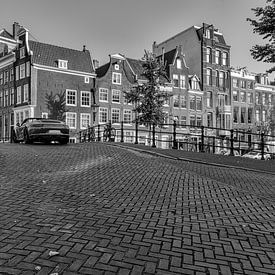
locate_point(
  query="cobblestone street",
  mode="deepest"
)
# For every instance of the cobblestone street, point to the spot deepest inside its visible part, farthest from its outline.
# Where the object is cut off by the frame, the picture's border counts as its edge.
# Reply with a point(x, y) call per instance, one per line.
point(112, 210)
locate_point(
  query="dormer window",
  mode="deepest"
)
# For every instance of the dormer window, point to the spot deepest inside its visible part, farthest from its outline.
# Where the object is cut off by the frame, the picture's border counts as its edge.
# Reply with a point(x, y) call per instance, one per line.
point(22, 52)
point(62, 64)
point(194, 84)
point(207, 34)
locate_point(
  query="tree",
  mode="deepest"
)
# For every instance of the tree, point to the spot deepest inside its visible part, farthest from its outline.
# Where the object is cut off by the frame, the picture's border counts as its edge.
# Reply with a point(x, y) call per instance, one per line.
point(265, 26)
point(149, 96)
point(56, 105)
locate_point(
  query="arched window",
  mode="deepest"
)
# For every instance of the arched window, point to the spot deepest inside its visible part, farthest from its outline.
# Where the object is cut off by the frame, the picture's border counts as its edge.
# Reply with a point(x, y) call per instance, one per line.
point(208, 76)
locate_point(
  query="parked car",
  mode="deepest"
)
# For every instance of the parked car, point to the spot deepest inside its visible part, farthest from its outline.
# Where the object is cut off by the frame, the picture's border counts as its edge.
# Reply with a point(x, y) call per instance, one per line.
point(235, 153)
point(256, 155)
point(41, 129)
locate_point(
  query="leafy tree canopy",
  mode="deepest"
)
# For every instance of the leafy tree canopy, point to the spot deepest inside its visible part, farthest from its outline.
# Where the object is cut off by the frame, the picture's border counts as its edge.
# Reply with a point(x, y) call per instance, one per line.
point(264, 25)
point(149, 96)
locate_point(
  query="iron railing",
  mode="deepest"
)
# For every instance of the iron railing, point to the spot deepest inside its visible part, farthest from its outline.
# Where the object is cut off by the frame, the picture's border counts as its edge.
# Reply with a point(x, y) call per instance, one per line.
point(183, 137)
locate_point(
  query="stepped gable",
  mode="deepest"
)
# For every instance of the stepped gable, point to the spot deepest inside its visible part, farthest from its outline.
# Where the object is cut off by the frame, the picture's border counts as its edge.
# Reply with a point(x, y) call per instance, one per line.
point(48, 55)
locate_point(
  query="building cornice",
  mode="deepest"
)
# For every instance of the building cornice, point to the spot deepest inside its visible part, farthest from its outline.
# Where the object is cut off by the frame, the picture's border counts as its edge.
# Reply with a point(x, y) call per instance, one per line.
point(7, 60)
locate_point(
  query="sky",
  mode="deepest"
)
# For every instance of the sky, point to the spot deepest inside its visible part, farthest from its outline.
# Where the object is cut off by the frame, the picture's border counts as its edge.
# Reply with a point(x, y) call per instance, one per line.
point(131, 26)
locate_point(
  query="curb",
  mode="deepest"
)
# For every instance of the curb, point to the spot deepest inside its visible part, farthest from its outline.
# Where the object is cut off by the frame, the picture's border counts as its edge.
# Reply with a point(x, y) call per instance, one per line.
point(193, 160)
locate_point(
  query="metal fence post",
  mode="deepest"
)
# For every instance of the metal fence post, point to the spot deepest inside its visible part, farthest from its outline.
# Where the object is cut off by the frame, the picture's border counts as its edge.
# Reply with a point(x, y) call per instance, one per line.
point(98, 132)
point(122, 133)
point(202, 139)
point(174, 135)
point(136, 130)
point(231, 142)
point(262, 146)
point(154, 136)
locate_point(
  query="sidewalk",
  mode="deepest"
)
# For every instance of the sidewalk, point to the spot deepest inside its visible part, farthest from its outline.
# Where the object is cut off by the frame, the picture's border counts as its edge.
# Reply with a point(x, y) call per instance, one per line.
point(205, 158)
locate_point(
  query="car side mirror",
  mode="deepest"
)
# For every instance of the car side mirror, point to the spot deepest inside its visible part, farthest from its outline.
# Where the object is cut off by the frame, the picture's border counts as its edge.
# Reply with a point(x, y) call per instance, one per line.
point(18, 124)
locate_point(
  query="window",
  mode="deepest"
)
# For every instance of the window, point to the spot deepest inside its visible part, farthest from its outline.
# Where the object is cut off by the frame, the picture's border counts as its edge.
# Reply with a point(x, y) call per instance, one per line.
point(6, 76)
point(12, 96)
point(208, 55)
point(199, 120)
point(103, 115)
point(257, 115)
point(249, 115)
point(263, 99)
point(242, 96)
point(176, 101)
point(221, 80)
point(127, 116)
point(176, 80)
point(71, 120)
point(208, 76)
point(115, 115)
point(103, 94)
point(209, 99)
point(225, 58)
point(1, 78)
point(243, 111)
point(1, 98)
point(235, 96)
point(195, 84)
point(269, 99)
point(249, 97)
point(192, 120)
point(71, 97)
point(22, 52)
point(44, 115)
point(236, 114)
point(217, 57)
point(183, 101)
point(235, 83)
point(209, 119)
point(116, 67)
point(22, 71)
point(116, 78)
point(11, 74)
point(62, 64)
point(85, 99)
point(115, 96)
point(217, 78)
point(198, 103)
point(86, 79)
point(182, 81)
point(207, 34)
point(26, 93)
point(182, 122)
point(85, 121)
point(28, 69)
point(192, 102)
point(18, 95)
point(6, 99)
point(178, 63)
point(257, 98)
point(17, 72)
point(243, 84)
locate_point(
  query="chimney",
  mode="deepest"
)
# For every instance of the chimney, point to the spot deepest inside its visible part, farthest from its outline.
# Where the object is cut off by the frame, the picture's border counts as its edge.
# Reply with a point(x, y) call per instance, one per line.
point(15, 29)
point(84, 48)
point(96, 63)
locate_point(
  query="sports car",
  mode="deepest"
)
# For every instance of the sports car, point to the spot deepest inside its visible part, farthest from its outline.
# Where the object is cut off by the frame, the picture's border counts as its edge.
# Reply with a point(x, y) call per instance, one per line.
point(41, 129)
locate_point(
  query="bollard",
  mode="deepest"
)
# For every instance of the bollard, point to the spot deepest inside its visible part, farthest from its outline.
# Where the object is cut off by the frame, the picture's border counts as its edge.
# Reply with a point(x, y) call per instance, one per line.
point(262, 146)
point(202, 139)
point(231, 142)
point(174, 135)
point(154, 136)
point(122, 133)
point(136, 139)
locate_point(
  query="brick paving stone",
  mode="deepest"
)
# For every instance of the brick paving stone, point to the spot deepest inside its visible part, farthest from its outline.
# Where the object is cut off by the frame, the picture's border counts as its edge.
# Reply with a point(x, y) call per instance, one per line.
point(148, 214)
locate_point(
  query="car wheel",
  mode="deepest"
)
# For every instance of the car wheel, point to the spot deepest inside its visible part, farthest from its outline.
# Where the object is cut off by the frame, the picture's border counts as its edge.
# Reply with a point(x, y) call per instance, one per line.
point(14, 138)
point(26, 137)
point(65, 141)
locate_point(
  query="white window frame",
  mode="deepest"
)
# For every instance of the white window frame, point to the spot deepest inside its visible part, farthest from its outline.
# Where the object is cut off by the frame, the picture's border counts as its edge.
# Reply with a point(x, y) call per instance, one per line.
point(44, 115)
point(22, 71)
point(86, 79)
point(62, 64)
point(176, 77)
point(75, 97)
point(82, 96)
point(102, 110)
point(18, 95)
point(118, 94)
point(127, 112)
point(115, 111)
point(182, 81)
point(28, 69)
point(74, 117)
point(103, 91)
point(22, 52)
point(116, 67)
point(116, 78)
point(179, 63)
point(26, 93)
point(82, 118)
